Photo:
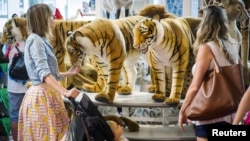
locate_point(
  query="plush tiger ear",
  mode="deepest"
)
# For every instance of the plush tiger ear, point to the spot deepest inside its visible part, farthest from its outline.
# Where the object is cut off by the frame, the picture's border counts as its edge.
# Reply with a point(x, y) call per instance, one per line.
point(21, 24)
point(156, 17)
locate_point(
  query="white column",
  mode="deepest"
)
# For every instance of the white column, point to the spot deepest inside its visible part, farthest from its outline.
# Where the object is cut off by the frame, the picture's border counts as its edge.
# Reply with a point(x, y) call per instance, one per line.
point(190, 8)
point(98, 8)
point(13, 8)
point(187, 8)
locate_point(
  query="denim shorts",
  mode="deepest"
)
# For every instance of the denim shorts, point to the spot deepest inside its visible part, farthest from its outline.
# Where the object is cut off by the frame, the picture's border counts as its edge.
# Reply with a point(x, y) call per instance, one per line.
point(202, 130)
point(15, 100)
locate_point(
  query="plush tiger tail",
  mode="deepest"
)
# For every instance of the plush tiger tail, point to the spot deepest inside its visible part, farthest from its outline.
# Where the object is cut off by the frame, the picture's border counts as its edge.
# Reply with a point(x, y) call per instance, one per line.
point(103, 39)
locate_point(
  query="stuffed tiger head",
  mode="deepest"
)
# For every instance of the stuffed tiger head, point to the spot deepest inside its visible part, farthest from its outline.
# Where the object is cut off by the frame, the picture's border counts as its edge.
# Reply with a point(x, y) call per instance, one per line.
point(62, 30)
point(7, 36)
point(144, 35)
point(75, 51)
point(14, 30)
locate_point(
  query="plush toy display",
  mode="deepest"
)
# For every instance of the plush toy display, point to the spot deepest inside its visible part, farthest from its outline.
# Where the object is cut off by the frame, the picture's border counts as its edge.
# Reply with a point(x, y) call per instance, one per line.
point(118, 37)
point(111, 42)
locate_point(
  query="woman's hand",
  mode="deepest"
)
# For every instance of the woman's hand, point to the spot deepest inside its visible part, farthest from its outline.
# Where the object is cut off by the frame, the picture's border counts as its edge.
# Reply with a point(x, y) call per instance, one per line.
point(74, 92)
point(182, 120)
point(74, 70)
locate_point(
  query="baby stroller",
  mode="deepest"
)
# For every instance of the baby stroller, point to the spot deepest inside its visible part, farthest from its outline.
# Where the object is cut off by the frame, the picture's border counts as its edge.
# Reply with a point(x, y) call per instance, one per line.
point(87, 123)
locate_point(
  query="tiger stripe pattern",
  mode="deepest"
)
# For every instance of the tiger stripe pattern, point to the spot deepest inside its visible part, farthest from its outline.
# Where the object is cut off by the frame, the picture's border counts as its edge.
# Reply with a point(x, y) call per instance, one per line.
point(60, 33)
point(112, 42)
point(168, 44)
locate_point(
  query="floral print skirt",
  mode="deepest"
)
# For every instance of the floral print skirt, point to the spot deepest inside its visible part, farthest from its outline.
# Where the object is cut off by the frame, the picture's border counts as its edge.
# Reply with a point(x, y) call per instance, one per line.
point(42, 116)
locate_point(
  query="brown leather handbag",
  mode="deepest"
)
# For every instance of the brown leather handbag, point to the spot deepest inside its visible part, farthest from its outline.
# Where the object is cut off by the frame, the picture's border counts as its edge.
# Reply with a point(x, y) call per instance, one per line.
point(220, 93)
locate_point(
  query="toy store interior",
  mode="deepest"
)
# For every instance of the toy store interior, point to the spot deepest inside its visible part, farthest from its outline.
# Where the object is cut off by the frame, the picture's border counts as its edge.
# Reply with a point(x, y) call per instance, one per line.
point(141, 96)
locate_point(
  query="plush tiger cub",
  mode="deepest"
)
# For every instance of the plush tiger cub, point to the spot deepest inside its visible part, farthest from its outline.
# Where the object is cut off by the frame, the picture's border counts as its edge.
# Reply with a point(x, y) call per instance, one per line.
point(168, 45)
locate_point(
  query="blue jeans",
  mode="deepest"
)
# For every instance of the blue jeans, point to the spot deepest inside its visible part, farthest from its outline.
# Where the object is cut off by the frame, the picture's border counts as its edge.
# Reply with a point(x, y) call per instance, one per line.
point(15, 100)
point(202, 130)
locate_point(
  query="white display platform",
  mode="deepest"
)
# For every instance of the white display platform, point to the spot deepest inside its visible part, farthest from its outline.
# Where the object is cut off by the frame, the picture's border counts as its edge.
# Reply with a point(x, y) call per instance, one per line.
point(136, 99)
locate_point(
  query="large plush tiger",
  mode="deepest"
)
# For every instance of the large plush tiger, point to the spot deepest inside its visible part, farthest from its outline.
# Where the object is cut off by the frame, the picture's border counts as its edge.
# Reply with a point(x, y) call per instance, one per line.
point(128, 78)
point(61, 31)
point(111, 42)
point(168, 44)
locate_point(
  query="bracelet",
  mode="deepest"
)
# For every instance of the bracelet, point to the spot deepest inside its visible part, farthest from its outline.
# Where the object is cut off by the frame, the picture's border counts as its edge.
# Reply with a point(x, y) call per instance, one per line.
point(64, 93)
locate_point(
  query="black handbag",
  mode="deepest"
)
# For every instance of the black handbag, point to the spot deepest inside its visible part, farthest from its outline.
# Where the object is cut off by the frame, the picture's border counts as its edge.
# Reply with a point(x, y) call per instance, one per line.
point(87, 123)
point(17, 68)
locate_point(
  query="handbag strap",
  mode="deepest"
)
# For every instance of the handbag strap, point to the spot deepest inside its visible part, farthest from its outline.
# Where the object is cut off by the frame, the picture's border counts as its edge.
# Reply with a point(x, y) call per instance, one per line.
point(17, 48)
point(216, 65)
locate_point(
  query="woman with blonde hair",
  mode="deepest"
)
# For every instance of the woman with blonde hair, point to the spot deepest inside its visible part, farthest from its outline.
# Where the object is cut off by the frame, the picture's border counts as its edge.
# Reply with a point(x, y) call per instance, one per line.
point(213, 39)
point(42, 114)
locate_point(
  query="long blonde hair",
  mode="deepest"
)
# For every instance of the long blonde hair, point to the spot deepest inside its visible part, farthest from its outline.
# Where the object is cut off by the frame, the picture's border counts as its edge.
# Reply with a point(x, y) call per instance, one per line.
point(214, 27)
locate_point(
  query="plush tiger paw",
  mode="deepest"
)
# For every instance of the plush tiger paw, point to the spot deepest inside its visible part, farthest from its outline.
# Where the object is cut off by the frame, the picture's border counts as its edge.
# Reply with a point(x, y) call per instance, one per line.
point(158, 97)
point(151, 89)
point(124, 90)
point(133, 126)
point(105, 98)
point(91, 88)
point(172, 101)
